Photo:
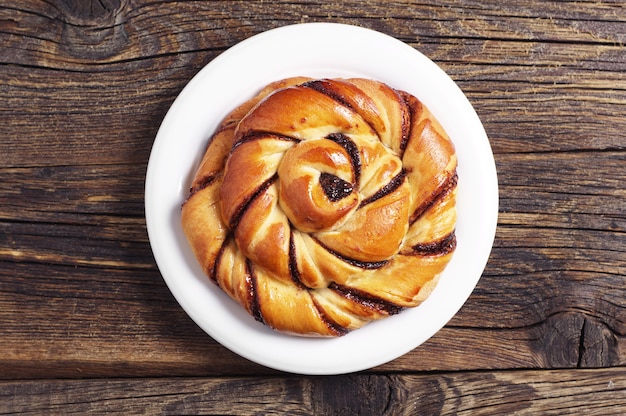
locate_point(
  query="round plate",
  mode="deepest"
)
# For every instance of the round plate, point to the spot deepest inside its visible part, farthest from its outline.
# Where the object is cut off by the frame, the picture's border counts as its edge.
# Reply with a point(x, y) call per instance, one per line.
point(316, 50)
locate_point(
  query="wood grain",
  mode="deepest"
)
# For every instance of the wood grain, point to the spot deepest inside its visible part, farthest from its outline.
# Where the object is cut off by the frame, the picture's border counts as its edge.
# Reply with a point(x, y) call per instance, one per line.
point(588, 392)
point(84, 87)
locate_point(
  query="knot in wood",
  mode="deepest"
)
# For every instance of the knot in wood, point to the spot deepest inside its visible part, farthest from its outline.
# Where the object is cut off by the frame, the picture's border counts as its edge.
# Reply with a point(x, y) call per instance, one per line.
point(92, 29)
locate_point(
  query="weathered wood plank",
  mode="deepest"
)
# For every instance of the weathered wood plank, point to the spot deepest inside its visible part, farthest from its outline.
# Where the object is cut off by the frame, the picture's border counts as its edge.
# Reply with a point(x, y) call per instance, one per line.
point(547, 72)
point(85, 85)
point(588, 392)
point(86, 321)
point(556, 291)
point(92, 319)
point(73, 194)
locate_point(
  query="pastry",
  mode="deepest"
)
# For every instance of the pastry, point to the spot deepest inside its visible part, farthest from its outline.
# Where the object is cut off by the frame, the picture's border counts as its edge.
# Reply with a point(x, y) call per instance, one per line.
point(323, 204)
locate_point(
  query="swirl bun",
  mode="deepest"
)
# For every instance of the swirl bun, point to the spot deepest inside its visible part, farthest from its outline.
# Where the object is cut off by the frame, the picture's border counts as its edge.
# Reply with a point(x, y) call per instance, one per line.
point(321, 205)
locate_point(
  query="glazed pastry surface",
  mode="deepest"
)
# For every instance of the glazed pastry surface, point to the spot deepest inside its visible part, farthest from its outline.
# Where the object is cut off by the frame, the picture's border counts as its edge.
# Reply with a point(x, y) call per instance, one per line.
point(323, 204)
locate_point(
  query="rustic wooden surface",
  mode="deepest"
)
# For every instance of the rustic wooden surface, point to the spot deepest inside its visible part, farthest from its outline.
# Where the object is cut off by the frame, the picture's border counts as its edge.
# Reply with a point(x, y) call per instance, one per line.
point(87, 323)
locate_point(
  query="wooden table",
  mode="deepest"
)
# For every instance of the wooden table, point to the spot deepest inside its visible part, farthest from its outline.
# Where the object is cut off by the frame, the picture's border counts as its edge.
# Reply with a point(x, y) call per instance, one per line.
point(87, 323)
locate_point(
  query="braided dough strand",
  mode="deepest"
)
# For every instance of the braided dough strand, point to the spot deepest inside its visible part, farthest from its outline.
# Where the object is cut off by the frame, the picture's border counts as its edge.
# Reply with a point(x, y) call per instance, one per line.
point(322, 205)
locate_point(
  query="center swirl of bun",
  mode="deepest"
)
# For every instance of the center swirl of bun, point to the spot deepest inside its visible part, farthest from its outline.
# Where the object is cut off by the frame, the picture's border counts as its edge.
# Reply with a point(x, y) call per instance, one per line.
point(317, 185)
point(345, 188)
point(321, 205)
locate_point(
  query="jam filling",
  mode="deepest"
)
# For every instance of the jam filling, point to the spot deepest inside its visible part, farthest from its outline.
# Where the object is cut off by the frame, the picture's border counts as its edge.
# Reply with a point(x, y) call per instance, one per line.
point(324, 86)
point(440, 192)
point(334, 327)
point(366, 265)
point(366, 299)
point(253, 299)
point(352, 150)
point(293, 262)
point(334, 187)
point(443, 246)
point(393, 184)
point(234, 221)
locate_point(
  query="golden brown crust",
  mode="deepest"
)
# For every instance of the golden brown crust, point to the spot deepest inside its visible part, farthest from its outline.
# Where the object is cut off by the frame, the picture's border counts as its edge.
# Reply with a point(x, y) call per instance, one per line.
point(321, 205)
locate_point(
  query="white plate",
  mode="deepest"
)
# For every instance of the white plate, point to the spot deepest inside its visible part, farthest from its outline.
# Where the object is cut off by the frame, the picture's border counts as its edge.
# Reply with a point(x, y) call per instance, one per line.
point(316, 50)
